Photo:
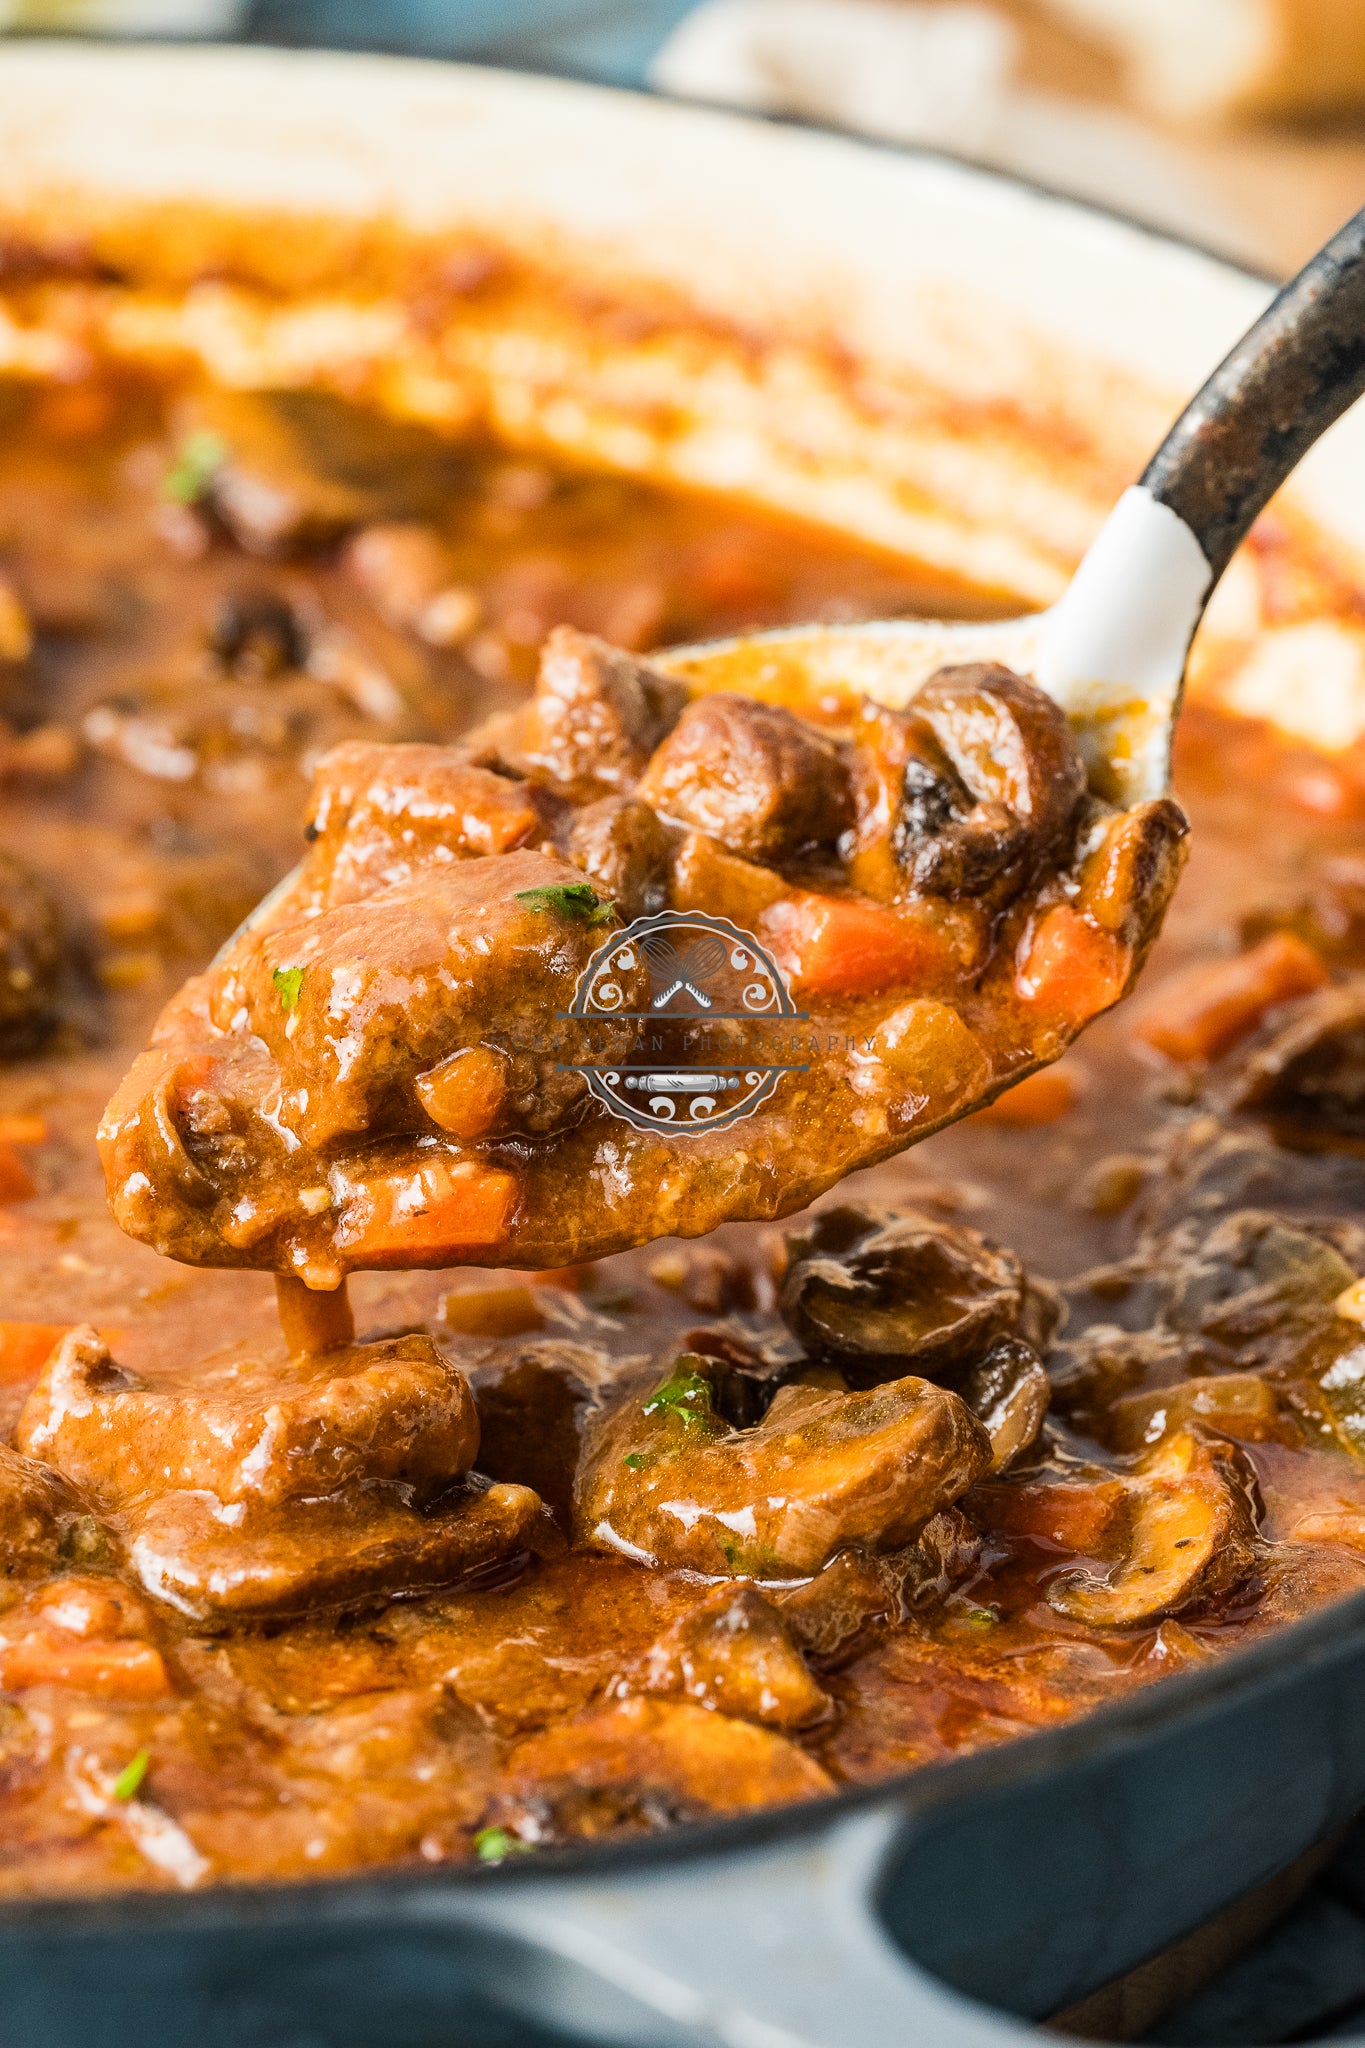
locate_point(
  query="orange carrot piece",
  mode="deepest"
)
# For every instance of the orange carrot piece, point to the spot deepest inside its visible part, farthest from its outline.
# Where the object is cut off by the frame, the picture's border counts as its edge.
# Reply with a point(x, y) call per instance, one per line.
point(23, 1130)
point(1070, 966)
point(466, 1092)
point(850, 946)
point(1202, 1014)
point(437, 1209)
point(25, 1349)
point(16, 1182)
point(120, 1670)
point(1040, 1098)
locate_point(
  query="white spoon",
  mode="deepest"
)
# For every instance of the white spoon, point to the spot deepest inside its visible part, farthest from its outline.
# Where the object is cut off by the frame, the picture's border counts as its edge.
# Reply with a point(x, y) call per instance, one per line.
point(1112, 651)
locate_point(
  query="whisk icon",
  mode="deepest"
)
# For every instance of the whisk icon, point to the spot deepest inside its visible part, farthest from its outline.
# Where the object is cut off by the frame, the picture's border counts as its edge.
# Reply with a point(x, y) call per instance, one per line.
point(683, 967)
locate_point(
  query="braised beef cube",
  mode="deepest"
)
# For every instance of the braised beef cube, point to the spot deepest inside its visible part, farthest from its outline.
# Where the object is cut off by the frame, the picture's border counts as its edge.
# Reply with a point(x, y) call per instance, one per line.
point(36, 1516)
point(249, 1431)
point(756, 777)
point(355, 1003)
point(379, 813)
point(621, 844)
point(292, 469)
point(31, 960)
point(1312, 1073)
point(597, 714)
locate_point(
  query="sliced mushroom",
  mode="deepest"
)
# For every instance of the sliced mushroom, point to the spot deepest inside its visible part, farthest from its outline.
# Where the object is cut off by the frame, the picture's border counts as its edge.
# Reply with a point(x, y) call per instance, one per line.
point(1312, 1073)
point(36, 1514)
point(970, 789)
point(880, 1295)
point(666, 1481)
point(1008, 1393)
point(733, 1652)
point(1191, 1535)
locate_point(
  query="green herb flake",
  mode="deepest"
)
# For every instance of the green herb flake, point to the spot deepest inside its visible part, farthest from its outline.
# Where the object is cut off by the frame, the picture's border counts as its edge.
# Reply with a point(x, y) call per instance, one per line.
point(983, 1617)
point(577, 901)
point(197, 460)
point(635, 1461)
point(128, 1783)
point(686, 1394)
point(495, 1845)
point(289, 986)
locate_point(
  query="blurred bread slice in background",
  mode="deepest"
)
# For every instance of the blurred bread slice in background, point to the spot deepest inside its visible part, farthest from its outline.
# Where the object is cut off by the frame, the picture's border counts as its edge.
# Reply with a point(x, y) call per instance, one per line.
point(1192, 60)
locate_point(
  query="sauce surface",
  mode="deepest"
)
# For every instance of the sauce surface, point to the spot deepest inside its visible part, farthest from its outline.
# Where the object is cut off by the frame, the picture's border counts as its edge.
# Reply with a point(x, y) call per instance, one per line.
point(476, 1634)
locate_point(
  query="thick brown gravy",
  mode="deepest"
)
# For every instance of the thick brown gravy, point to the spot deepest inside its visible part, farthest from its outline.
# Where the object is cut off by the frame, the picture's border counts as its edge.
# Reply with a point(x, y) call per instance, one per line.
point(1200, 1166)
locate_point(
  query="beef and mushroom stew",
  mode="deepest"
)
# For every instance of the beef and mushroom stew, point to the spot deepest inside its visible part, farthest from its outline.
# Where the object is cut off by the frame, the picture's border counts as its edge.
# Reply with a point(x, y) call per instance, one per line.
point(471, 1564)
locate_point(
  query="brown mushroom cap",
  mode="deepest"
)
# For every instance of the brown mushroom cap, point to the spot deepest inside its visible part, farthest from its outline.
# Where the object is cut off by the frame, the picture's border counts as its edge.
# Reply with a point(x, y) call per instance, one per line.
point(899, 1294)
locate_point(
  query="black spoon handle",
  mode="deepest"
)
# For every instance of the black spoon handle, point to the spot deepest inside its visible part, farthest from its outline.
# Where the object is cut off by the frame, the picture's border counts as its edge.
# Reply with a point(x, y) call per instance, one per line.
point(1288, 378)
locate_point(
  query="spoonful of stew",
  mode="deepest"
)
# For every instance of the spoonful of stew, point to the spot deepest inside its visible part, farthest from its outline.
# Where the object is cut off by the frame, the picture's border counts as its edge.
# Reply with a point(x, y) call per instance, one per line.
point(689, 939)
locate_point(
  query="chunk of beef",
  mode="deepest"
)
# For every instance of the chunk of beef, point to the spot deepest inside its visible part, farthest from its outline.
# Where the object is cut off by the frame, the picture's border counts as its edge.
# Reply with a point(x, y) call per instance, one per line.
point(219, 1564)
point(754, 776)
point(1312, 1073)
point(734, 1653)
point(621, 845)
point(379, 814)
point(647, 1763)
point(407, 570)
point(666, 1481)
point(252, 1432)
point(36, 1513)
point(31, 960)
point(357, 1002)
point(597, 714)
point(286, 470)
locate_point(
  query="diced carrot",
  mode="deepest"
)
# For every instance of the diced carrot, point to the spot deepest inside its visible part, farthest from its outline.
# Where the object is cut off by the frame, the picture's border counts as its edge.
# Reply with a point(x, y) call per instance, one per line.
point(425, 1215)
point(25, 1349)
point(708, 878)
point(1070, 966)
point(1077, 1517)
point(23, 1130)
point(16, 1182)
point(120, 1670)
point(850, 946)
point(492, 1311)
point(465, 1093)
point(1202, 1015)
point(1038, 1099)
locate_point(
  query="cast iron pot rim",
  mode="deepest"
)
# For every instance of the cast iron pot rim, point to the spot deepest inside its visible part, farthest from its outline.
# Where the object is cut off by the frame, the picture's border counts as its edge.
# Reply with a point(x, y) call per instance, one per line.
point(1110, 1728)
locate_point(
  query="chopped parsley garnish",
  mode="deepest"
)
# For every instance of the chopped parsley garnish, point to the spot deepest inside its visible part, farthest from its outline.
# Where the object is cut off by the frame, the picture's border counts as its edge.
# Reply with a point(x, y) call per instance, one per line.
point(982, 1617)
point(493, 1845)
point(686, 1393)
point(578, 901)
point(289, 984)
point(128, 1783)
point(197, 459)
point(635, 1461)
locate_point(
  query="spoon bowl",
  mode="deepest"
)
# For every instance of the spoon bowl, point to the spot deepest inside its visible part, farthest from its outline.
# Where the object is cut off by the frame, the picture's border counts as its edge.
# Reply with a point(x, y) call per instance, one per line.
point(1112, 650)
